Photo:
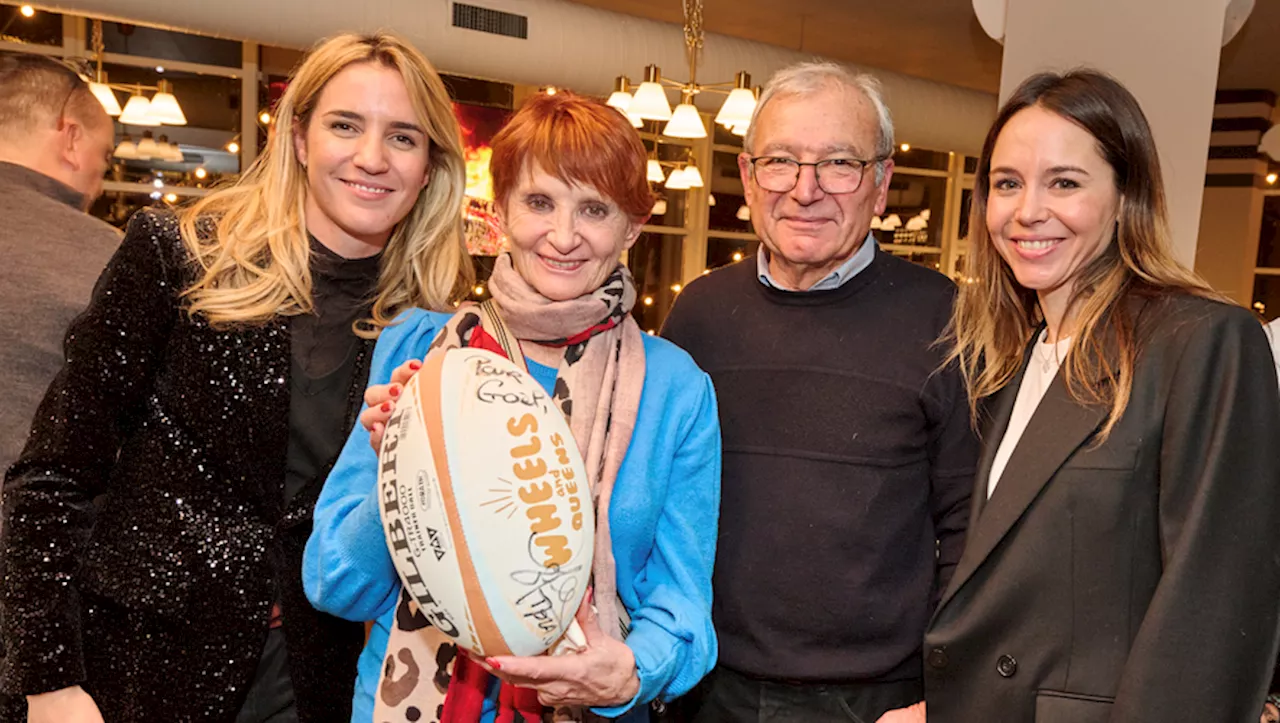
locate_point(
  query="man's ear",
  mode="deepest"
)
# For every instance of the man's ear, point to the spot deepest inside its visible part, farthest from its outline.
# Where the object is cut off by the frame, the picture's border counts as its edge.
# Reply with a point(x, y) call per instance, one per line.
point(71, 136)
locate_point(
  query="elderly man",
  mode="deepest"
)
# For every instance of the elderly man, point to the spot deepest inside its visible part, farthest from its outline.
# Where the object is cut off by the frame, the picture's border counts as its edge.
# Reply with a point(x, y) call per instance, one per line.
point(848, 454)
point(55, 146)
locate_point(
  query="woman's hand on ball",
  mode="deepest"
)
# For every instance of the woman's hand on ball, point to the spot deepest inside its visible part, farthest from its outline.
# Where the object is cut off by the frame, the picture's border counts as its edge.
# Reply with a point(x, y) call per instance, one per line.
point(381, 401)
point(602, 675)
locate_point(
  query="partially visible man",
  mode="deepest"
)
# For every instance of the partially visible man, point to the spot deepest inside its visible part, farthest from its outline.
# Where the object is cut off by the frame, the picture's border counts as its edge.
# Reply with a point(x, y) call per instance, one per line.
point(848, 454)
point(55, 146)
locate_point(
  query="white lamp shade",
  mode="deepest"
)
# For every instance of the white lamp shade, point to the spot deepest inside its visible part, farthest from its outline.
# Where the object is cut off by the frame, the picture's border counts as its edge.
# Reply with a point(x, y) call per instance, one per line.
point(677, 181)
point(926, 214)
point(685, 123)
point(893, 221)
point(737, 108)
point(165, 108)
point(137, 112)
point(711, 199)
point(991, 16)
point(1237, 12)
point(620, 100)
point(148, 148)
point(106, 98)
point(744, 213)
point(1271, 143)
point(636, 121)
point(654, 172)
point(917, 224)
point(693, 176)
point(659, 207)
point(127, 150)
point(173, 153)
point(650, 103)
point(877, 224)
point(739, 130)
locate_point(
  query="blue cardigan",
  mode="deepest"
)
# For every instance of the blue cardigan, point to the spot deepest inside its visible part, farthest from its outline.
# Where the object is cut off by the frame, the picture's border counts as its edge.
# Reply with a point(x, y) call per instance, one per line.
point(663, 516)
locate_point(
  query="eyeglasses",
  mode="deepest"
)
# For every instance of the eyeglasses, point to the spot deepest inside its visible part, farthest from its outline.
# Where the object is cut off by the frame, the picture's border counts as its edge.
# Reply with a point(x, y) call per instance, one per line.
point(835, 175)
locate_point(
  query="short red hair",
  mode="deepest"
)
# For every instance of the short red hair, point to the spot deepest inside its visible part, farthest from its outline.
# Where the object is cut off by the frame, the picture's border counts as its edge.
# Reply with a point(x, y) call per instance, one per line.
point(580, 141)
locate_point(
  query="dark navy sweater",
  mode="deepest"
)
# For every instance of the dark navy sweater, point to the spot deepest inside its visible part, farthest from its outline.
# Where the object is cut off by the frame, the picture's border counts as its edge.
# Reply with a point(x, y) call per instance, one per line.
point(848, 465)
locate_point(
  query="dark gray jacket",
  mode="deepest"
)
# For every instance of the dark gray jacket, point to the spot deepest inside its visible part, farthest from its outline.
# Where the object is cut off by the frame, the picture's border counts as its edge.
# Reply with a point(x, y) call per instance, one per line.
point(51, 253)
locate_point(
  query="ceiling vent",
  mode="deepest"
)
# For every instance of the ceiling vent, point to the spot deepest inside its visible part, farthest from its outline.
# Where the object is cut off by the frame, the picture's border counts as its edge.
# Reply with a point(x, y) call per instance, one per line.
point(472, 17)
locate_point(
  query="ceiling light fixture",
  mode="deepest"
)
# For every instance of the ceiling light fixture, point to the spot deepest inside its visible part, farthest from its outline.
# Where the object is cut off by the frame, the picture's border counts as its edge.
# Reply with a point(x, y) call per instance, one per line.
point(653, 171)
point(677, 181)
point(161, 109)
point(649, 102)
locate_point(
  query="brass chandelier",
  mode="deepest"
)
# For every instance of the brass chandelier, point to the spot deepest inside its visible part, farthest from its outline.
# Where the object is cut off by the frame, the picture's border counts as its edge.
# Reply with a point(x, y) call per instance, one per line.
point(649, 101)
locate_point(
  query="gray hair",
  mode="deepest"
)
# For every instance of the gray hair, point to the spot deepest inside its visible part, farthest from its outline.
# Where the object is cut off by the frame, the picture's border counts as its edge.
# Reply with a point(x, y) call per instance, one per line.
point(812, 76)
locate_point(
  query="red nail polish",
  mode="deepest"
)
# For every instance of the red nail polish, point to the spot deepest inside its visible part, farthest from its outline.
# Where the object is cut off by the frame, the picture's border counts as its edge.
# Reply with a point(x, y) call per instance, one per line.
point(415, 365)
point(395, 391)
point(493, 663)
point(386, 406)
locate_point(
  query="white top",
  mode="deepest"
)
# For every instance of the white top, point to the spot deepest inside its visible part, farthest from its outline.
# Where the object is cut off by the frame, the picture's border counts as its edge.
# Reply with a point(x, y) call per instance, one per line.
point(1041, 369)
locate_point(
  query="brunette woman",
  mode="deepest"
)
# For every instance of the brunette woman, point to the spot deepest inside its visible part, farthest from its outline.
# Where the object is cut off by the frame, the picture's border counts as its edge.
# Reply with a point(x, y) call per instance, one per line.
point(1122, 557)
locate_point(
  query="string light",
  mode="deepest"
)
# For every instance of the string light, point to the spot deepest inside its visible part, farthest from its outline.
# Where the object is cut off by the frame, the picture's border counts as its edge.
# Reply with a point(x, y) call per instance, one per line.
point(737, 255)
point(265, 117)
point(648, 301)
point(676, 288)
point(1271, 178)
point(479, 290)
point(28, 11)
point(233, 147)
point(201, 173)
point(905, 147)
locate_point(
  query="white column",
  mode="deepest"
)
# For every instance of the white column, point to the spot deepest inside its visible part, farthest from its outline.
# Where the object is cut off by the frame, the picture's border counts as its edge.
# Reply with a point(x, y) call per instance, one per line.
point(1165, 51)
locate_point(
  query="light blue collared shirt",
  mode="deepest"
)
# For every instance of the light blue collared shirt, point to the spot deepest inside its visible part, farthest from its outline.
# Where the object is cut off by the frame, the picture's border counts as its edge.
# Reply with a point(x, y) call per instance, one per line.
point(834, 280)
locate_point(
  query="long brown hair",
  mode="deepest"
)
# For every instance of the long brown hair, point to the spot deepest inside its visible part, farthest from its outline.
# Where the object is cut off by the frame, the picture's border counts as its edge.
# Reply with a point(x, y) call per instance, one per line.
point(255, 263)
point(995, 317)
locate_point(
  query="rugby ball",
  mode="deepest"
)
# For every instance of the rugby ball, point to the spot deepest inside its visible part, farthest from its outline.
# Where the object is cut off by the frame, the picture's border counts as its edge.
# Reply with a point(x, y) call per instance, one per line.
point(485, 503)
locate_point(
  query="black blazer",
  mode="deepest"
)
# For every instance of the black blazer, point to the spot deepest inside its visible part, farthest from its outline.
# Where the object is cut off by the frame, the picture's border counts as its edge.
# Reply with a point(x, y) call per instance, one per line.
point(1139, 579)
point(158, 602)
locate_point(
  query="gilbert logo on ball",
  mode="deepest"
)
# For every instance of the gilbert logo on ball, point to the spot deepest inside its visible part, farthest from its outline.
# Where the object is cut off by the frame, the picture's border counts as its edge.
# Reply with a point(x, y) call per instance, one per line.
point(485, 503)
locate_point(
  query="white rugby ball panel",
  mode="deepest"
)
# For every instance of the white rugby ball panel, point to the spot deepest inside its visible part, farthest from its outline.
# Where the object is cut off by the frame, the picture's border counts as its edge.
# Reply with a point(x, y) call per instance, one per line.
point(531, 524)
point(419, 533)
point(485, 504)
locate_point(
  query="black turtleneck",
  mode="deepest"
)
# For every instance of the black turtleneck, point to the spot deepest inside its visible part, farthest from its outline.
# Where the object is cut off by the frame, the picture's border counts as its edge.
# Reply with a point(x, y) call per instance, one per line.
point(326, 355)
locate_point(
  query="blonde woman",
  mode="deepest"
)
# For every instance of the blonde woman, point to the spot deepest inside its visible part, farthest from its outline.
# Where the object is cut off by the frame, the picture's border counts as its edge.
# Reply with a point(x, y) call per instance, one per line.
point(1121, 561)
point(206, 392)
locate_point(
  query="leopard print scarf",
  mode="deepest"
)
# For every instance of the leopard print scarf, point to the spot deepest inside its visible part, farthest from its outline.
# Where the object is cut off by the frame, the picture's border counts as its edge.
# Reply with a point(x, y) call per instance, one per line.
point(597, 388)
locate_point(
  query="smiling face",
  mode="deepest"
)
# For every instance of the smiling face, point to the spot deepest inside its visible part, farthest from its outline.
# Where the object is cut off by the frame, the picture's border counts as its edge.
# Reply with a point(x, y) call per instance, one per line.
point(809, 233)
point(565, 239)
point(366, 157)
point(1052, 204)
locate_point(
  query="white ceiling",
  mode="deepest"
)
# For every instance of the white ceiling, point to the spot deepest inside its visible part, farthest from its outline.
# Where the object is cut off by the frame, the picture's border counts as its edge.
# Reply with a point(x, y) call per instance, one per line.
point(934, 39)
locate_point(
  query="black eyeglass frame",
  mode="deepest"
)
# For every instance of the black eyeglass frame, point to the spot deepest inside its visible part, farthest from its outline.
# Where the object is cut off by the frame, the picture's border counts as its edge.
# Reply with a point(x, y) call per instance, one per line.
point(817, 170)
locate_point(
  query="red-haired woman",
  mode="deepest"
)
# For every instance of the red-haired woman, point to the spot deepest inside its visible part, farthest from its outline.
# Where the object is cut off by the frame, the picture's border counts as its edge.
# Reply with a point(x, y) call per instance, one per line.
point(569, 178)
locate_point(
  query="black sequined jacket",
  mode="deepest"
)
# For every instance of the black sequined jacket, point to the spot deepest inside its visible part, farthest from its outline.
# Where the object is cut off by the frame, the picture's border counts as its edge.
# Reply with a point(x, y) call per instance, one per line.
point(157, 597)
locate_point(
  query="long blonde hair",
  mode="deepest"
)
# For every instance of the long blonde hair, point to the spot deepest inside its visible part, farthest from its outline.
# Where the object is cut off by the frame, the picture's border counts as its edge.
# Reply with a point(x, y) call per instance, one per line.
point(995, 317)
point(250, 239)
